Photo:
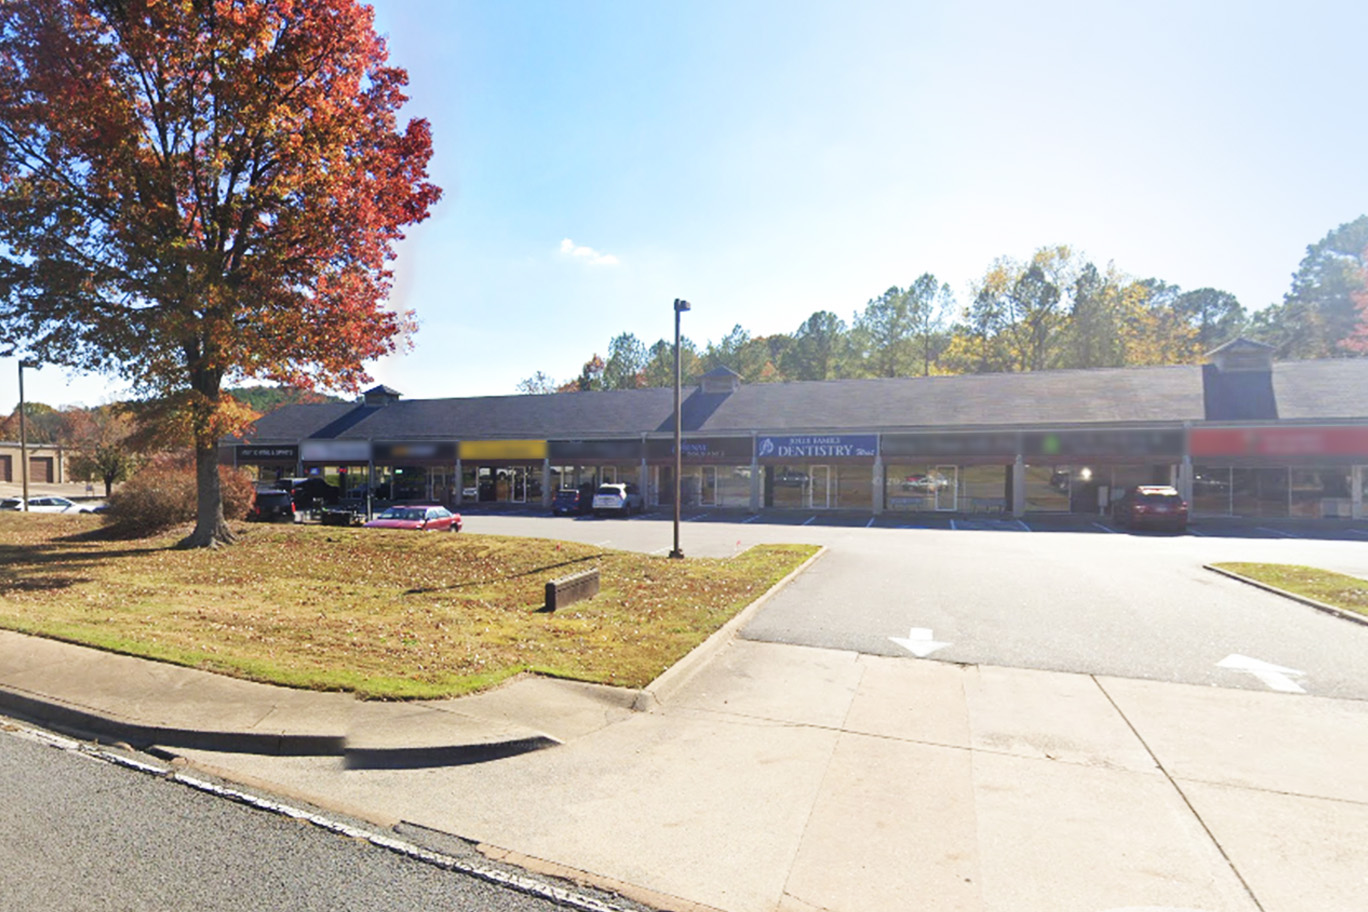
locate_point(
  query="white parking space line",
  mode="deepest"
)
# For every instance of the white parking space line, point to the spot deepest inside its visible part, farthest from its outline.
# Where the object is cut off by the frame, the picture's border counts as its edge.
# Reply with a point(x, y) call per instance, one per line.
point(1276, 532)
point(1024, 527)
point(1105, 528)
point(752, 518)
point(1359, 531)
point(809, 520)
point(870, 523)
point(953, 527)
point(603, 544)
point(660, 551)
point(1192, 531)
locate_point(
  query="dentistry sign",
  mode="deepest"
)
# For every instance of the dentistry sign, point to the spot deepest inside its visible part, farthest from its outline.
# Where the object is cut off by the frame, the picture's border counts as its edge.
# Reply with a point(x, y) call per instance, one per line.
point(817, 448)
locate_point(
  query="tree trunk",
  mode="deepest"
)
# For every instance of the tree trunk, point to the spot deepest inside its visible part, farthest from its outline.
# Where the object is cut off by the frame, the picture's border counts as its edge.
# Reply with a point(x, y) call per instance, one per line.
point(211, 530)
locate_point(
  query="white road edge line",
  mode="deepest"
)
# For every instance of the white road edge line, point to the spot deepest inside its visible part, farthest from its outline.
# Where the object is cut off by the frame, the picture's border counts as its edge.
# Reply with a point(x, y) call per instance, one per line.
point(525, 885)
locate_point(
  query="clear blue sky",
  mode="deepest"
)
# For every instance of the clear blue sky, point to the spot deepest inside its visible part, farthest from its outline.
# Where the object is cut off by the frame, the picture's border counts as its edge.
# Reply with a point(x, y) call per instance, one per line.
point(769, 159)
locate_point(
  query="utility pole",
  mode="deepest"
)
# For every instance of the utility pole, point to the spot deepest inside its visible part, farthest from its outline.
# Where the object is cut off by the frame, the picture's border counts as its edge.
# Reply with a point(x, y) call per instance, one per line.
point(23, 432)
point(680, 305)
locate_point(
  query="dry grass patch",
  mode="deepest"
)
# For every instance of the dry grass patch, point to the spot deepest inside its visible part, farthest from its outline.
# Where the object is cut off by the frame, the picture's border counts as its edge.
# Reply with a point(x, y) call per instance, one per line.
point(1345, 592)
point(384, 614)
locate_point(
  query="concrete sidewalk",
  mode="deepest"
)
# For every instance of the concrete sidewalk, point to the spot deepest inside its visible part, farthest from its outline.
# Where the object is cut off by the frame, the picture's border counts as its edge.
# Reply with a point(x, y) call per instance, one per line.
point(798, 779)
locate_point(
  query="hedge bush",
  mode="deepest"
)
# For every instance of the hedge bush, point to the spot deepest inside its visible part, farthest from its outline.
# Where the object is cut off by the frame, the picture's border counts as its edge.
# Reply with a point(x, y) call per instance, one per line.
point(162, 494)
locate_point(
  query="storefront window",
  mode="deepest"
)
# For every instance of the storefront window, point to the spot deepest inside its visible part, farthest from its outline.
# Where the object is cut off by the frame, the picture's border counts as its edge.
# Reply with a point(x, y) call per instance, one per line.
point(1211, 490)
point(1048, 487)
point(732, 486)
point(1258, 492)
point(789, 487)
point(854, 486)
point(911, 486)
point(983, 489)
point(1319, 493)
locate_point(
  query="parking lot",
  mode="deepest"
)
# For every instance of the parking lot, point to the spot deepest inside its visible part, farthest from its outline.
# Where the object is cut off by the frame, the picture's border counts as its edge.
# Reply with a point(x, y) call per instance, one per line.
point(1084, 597)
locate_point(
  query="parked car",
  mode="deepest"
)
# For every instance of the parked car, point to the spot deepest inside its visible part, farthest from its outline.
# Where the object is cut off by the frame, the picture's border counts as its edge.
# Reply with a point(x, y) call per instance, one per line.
point(272, 506)
point(51, 504)
point(1153, 507)
point(623, 499)
point(310, 493)
point(573, 501)
point(419, 518)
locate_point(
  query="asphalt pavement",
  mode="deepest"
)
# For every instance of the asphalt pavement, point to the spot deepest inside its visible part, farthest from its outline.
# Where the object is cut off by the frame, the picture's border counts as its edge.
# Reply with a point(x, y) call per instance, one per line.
point(773, 775)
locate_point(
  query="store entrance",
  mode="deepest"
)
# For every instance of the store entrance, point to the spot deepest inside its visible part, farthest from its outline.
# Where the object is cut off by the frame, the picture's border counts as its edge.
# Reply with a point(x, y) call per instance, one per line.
point(819, 488)
point(946, 479)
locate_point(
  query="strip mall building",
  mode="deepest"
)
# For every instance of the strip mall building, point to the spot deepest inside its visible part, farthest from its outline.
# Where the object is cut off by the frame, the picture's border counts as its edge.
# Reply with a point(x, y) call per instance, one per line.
point(1241, 435)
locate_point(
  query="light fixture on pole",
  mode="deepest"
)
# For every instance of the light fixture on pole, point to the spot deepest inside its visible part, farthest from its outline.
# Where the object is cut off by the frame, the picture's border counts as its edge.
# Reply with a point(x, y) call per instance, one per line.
point(23, 433)
point(680, 305)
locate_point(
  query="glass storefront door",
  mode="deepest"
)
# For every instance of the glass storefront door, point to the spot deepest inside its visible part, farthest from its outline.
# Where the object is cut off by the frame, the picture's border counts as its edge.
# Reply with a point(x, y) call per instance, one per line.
point(707, 494)
point(819, 488)
point(947, 487)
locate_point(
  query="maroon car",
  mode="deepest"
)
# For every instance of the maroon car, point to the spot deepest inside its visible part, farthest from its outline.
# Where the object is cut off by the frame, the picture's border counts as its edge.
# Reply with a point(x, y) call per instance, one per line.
point(420, 518)
point(1152, 507)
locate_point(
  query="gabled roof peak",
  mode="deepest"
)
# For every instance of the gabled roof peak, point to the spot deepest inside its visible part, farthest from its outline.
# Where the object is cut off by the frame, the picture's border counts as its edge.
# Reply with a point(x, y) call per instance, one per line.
point(380, 395)
point(1241, 354)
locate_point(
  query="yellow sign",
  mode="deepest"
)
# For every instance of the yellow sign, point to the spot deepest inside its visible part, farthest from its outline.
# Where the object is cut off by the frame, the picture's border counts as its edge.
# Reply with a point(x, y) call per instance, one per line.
point(475, 450)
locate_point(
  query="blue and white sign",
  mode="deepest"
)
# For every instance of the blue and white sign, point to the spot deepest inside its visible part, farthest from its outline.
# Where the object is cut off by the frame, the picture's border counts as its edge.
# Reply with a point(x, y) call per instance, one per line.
point(839, 446)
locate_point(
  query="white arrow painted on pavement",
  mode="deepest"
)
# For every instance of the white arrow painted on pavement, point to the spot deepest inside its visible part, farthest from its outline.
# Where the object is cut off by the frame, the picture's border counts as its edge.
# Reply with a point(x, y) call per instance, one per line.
point(919, 642)
point(1274, 676)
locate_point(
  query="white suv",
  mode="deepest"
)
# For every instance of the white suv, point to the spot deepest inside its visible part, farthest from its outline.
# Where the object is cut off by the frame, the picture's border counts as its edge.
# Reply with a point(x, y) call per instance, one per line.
point(624, 499)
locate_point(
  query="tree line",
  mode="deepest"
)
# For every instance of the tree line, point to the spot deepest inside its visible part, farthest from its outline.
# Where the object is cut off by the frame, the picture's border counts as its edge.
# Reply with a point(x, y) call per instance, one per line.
point(1052, 310)
point(107, 443)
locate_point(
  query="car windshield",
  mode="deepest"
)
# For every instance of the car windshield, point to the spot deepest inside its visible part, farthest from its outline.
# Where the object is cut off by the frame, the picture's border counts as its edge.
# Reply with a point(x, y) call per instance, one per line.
point(403, 513)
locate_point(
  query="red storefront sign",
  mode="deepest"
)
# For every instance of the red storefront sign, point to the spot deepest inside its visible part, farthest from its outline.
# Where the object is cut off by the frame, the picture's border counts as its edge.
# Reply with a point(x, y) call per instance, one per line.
point(1279, 442)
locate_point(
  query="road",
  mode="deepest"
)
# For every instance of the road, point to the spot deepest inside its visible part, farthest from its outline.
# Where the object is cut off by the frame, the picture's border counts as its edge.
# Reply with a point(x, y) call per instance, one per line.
point(1036, 595)
point(81, 834)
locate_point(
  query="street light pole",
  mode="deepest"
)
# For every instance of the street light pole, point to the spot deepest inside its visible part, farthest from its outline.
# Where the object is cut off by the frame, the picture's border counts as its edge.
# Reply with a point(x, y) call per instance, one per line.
point(23, 433)
point(680, 305)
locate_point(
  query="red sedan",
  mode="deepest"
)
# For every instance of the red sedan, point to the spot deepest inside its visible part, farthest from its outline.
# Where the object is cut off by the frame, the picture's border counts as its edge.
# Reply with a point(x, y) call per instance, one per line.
point(424, 519)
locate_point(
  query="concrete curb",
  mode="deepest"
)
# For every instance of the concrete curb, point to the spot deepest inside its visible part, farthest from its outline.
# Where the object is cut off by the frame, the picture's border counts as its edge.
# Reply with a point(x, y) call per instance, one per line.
point(673, 678)
point(1319, 606)
point(85, 723)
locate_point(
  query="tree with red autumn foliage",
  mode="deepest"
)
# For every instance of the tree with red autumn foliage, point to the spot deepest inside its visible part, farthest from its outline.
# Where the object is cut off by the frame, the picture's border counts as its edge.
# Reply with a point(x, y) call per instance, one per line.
point(201, 191)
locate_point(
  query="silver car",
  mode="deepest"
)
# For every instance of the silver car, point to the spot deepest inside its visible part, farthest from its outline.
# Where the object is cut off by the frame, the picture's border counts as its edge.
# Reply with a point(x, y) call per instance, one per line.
point(623, 499)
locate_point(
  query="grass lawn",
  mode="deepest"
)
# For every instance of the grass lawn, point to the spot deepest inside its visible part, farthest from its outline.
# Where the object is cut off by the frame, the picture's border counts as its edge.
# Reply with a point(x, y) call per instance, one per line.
point(1345, 592)
point(385, 614)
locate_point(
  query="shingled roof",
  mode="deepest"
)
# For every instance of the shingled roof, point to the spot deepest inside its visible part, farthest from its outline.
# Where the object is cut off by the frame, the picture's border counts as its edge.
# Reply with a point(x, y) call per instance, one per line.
point(1299, 390)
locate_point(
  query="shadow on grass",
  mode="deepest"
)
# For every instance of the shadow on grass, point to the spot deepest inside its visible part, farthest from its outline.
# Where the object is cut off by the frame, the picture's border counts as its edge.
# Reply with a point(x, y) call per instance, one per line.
point(486, 582)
